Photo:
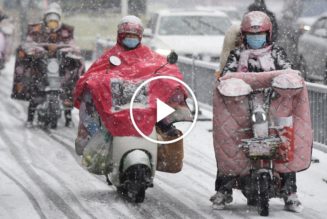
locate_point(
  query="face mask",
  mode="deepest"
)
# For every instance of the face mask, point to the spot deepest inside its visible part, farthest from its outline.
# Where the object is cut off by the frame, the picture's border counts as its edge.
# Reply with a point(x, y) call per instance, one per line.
point(53, 25)
point(131, 43)
point(256, 41)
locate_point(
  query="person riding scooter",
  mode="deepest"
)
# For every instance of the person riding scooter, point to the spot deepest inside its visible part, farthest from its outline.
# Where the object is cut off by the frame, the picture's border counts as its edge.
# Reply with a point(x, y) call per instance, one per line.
point(45, 39)
point(257, 54)
point(129, 36)
point(106, 137)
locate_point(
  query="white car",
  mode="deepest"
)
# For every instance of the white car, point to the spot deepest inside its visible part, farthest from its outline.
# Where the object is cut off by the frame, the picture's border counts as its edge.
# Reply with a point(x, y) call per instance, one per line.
point(313, 51)
point(234, 14)
point(312, 10)
point(190, 33)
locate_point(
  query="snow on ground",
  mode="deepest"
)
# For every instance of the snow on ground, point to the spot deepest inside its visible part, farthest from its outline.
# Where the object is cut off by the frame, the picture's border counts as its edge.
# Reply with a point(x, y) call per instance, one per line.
point(40, 177)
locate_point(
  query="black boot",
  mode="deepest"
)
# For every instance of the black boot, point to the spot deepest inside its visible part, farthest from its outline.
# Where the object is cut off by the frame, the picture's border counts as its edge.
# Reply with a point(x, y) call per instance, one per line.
point(68, 118)
point(30, 114)
point(288, 183)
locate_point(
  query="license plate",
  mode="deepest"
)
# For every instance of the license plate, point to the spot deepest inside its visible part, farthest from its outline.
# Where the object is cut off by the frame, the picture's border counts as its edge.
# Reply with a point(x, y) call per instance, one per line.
point(261, 147)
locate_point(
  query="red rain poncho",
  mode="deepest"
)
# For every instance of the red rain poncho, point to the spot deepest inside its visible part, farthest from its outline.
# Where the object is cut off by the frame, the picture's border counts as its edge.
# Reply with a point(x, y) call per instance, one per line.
point(136, 66)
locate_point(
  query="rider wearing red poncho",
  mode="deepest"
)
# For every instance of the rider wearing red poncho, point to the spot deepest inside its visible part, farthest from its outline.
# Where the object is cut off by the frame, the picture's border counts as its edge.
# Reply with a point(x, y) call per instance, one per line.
point(107, 87)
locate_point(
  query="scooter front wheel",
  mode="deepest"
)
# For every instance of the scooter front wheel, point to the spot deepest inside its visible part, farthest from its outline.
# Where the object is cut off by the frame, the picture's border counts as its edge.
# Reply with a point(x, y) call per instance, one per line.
point(131, 195)
point(139, 198)
point(263, 195)
point(135, 182)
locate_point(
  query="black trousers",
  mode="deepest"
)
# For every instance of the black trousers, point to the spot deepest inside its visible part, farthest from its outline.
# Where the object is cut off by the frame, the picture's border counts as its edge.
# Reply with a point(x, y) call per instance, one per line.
point(32, 108)
point(68, 116)
point(224, 184)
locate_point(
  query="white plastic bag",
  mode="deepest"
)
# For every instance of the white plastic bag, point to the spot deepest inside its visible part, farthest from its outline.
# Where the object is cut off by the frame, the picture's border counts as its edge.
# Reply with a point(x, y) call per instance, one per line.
point(96, 153)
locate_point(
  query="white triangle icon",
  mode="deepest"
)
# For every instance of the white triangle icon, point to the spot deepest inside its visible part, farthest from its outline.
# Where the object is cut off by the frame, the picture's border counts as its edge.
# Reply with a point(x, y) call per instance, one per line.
point(163, 110)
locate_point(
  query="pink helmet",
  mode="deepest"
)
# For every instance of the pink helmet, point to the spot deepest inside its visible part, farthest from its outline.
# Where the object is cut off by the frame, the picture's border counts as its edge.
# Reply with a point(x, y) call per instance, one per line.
point(129, 25)
point(256, 22)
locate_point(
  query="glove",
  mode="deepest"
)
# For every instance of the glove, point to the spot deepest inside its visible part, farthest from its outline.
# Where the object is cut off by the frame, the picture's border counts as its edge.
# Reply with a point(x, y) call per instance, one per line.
point(52, 48)
point(168, 130)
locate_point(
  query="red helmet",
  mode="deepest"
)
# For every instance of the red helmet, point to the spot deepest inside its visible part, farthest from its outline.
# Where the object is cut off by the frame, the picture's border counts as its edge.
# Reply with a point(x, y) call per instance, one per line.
point(256, 22)
point(129, 25)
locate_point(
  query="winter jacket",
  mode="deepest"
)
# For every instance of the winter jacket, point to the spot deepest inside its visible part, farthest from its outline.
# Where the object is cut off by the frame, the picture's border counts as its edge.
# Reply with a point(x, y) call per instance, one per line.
point(277, 54)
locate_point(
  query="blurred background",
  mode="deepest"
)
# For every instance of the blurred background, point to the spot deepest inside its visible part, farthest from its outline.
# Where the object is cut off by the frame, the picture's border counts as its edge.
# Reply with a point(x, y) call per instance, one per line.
point(93, 18)
point(95, 21)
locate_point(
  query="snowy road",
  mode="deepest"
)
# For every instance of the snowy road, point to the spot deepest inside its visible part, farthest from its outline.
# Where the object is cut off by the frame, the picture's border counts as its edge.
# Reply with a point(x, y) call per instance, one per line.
point(40, 177)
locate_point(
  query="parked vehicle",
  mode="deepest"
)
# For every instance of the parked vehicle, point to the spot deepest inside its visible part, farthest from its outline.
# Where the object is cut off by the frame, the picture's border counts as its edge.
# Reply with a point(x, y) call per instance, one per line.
point(233, 13)
point(102, 45)
point(191, 33)
point(310, 12)
point(313, 51)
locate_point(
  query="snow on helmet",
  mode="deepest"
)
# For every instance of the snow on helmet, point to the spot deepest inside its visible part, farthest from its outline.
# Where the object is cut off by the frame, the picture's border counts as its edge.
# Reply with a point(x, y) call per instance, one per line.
point(52, 16)
point(129, 25)
point(54, 8)
point(256, 22)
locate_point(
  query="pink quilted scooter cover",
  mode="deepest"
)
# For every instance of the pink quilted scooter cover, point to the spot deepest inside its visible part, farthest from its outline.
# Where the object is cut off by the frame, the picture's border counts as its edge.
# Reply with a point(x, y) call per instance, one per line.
point(232, 115)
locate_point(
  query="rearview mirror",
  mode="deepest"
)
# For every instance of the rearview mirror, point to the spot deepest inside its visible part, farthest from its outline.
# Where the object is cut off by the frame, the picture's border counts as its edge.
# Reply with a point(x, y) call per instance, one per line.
point(172, 57)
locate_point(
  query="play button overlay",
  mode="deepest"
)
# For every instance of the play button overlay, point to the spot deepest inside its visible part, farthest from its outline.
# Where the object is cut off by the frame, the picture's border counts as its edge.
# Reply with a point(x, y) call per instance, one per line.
point(164, 110)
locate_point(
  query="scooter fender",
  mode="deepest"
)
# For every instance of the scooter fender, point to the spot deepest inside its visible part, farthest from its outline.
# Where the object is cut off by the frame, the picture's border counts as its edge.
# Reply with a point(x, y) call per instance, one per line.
point(136, 157)
point(134, 150)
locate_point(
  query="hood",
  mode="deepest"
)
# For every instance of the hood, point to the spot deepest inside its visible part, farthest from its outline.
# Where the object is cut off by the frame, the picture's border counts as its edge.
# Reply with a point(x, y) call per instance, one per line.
point(211, 45)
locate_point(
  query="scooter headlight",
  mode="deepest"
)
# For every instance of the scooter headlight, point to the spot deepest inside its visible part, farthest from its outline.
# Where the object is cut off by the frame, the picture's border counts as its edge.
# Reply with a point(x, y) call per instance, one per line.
point(259, 117)
point(53, 67)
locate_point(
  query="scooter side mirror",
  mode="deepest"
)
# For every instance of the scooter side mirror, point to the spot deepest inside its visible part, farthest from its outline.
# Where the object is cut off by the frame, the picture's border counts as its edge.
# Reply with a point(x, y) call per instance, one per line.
point(172, 58)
